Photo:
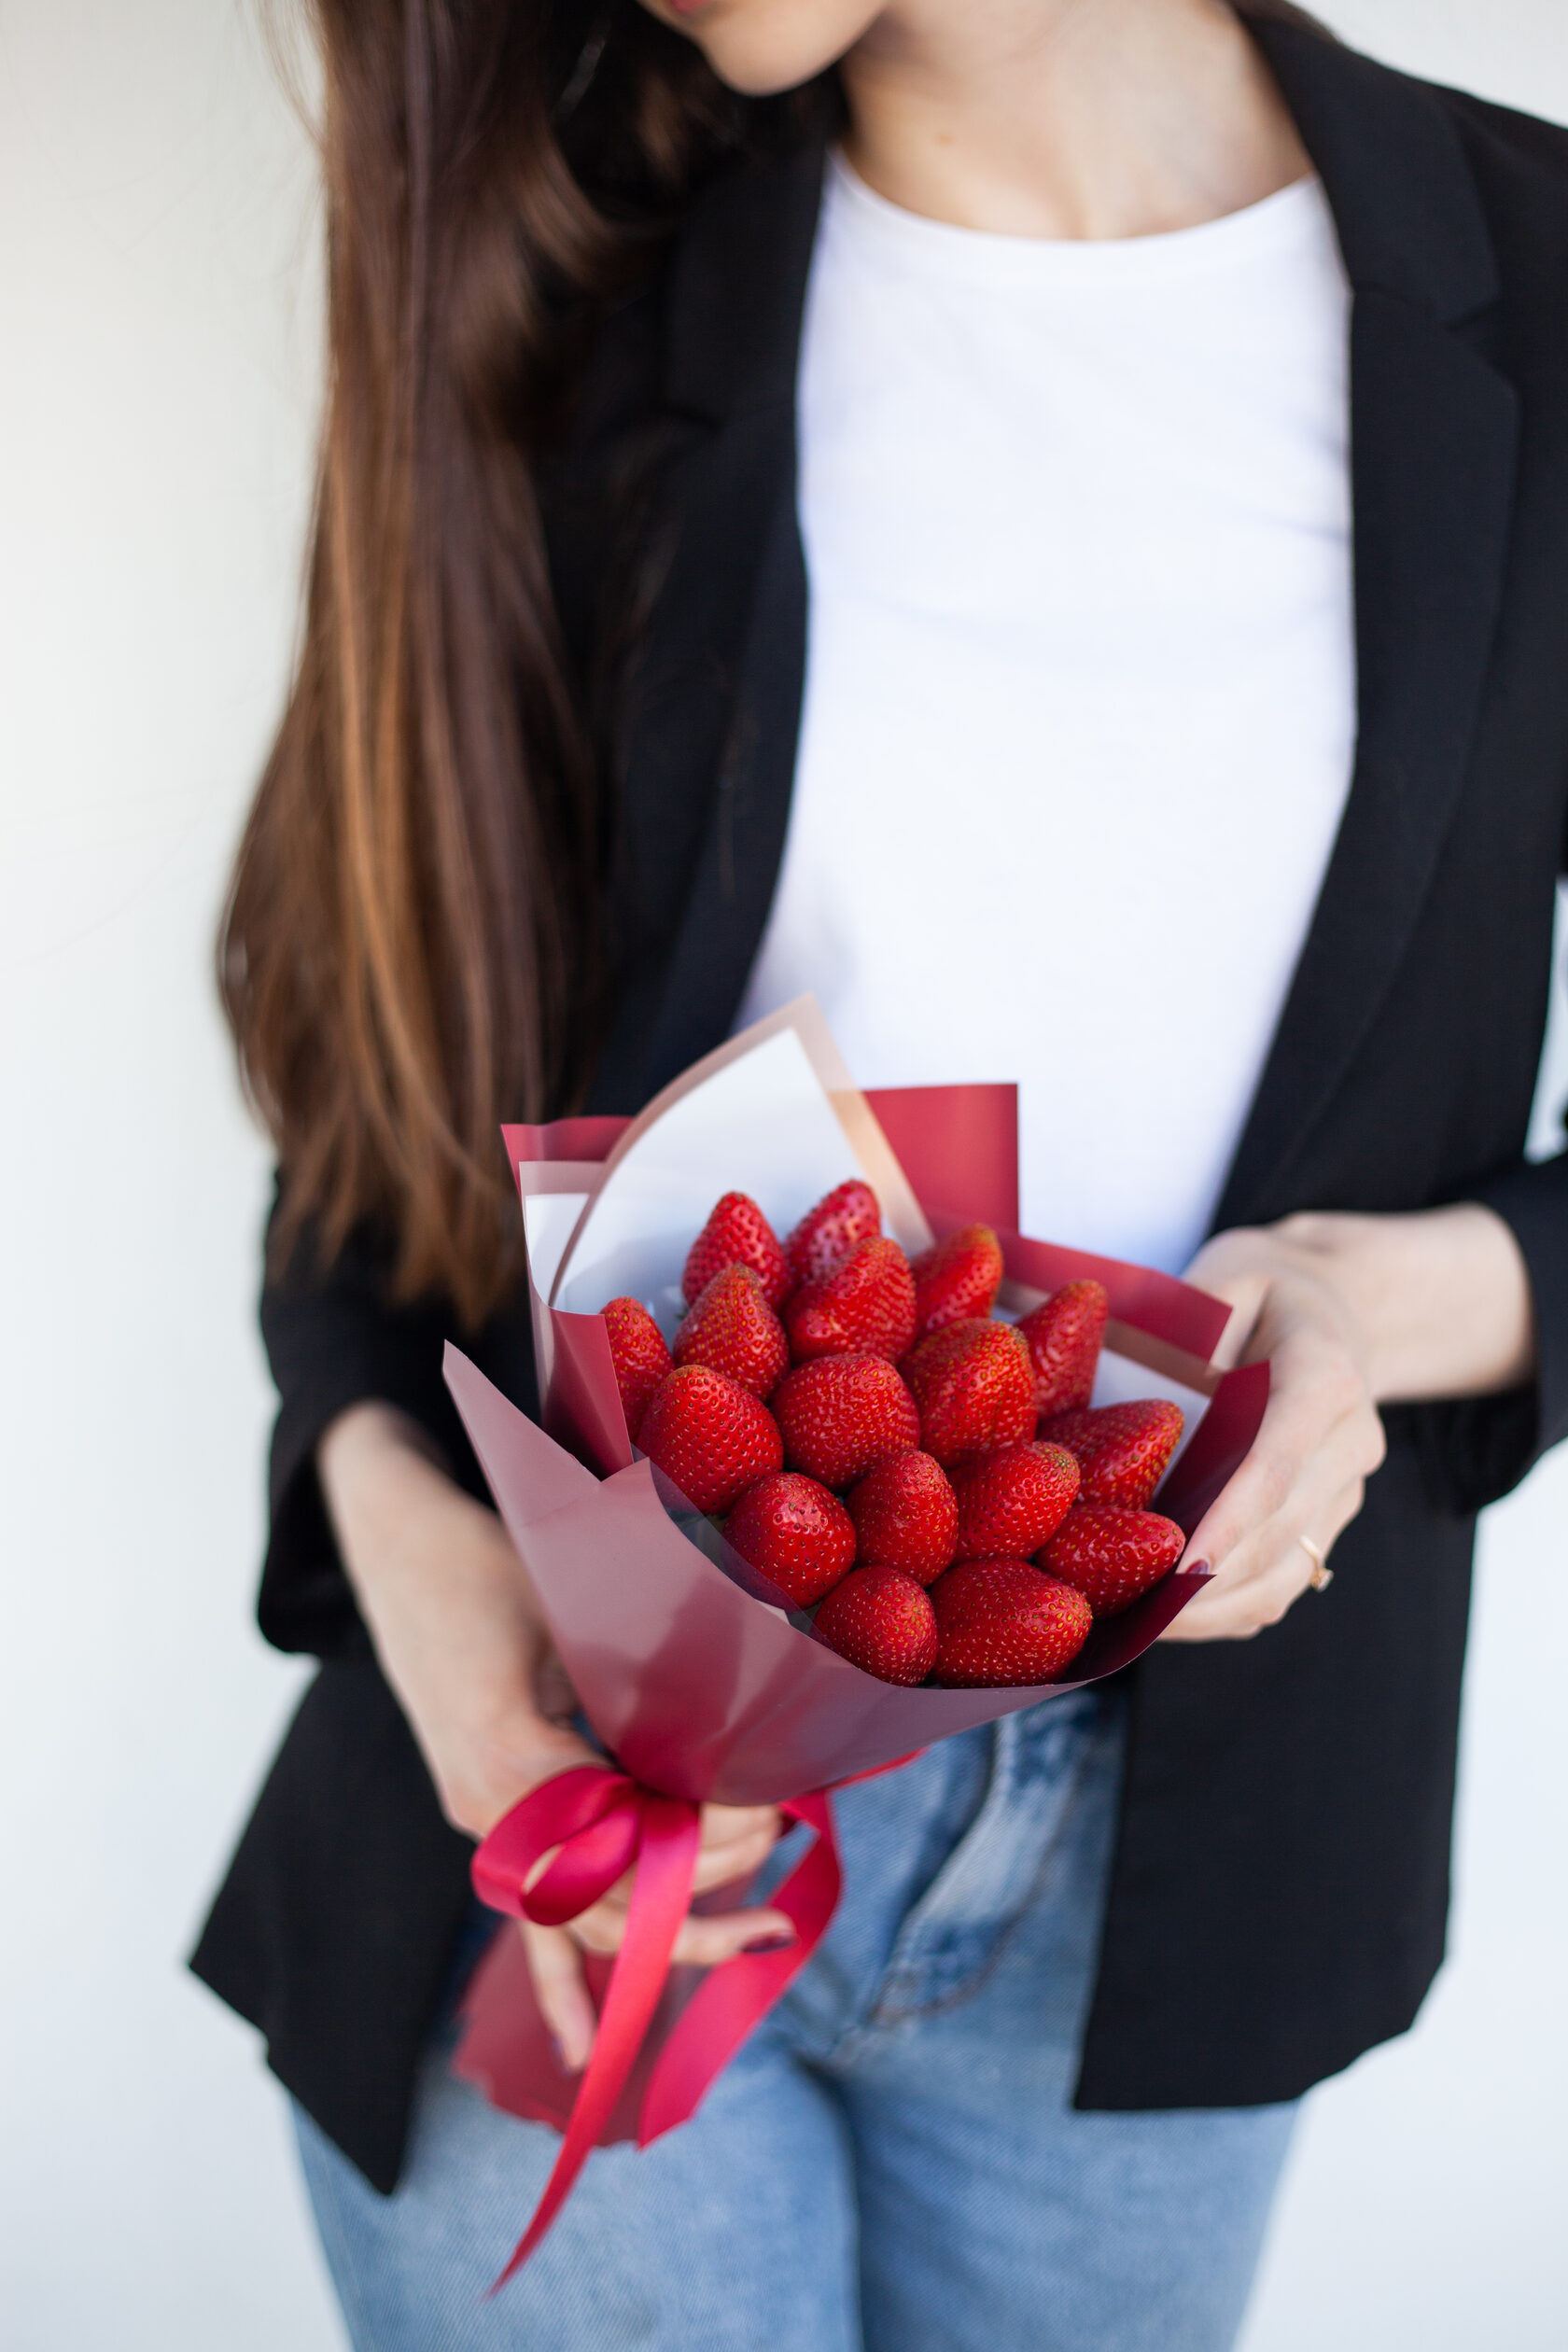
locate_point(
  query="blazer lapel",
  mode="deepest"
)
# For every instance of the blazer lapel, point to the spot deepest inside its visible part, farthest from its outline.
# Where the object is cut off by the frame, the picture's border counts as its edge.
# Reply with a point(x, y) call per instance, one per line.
point(1434, 436)
point(709, 750)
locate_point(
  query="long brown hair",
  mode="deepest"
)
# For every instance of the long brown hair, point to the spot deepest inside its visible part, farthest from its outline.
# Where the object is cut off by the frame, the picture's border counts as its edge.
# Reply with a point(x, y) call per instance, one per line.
point(409, 952)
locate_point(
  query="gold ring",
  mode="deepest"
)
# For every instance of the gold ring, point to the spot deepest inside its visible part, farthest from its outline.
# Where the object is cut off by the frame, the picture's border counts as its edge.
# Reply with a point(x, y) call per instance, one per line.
point(1323, 1574)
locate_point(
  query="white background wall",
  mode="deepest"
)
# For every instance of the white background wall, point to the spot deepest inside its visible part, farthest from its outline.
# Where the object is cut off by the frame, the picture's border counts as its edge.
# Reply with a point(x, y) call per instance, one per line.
point(158, 367)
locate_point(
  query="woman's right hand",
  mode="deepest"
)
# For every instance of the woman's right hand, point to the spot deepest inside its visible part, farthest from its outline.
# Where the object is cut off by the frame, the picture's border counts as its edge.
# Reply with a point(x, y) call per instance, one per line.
point(462, 1641)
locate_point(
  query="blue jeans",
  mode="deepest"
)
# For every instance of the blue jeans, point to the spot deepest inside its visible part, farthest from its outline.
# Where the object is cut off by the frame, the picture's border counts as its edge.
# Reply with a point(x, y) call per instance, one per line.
point(893, 2162)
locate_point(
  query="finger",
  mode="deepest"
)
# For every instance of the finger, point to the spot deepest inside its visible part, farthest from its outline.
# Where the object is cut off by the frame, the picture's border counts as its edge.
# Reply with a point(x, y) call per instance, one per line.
point(555, 1965)
point(737, 1840)
point(1254, 1602)
point(702, 1941)
point(1312, 1441)
point(1266, 1576)
point(1259, 1585)
point(725, 1865)
point(1316, 1513)
point(725, 1825)
point(719, 1867)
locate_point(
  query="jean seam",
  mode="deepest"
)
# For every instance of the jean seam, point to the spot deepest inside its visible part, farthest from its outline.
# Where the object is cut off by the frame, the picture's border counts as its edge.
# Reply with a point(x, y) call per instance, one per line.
point(1000, 1782)
point(882, 2012)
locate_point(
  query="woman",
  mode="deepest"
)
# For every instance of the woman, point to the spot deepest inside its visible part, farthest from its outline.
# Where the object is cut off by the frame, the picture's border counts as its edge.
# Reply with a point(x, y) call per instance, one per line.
point(1157, 411)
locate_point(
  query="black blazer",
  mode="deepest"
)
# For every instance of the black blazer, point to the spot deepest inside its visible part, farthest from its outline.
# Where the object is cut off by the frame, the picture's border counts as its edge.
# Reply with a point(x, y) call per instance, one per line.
point(1281, 1879)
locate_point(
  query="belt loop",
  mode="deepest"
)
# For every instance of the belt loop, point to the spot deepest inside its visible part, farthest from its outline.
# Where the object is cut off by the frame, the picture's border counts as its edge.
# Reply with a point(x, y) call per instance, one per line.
point(1005, 1754)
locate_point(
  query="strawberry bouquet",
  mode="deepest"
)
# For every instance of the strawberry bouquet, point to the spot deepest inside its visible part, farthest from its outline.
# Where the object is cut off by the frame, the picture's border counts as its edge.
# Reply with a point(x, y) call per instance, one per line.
point(830, 1470)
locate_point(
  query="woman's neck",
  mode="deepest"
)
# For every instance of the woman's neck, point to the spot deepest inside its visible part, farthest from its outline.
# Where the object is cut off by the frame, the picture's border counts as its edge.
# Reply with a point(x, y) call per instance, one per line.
point(1083, 119)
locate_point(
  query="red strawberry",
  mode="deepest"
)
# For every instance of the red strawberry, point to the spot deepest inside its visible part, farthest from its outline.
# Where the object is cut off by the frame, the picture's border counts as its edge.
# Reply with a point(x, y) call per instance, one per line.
point(1009, 1502)
point(1064, 1339)
point(906, 1516)
point(796, 1532)
point(881, 1620)
point(970, 1588)
point(737, 1234)
point(839, 1414)
point(710, 1436)
point(826, 1234)
point(638, 1351)
point(732, 1329)
point(1122, 1449)
point(864, 1307)
point(1000, 1622)
point(1112, 1556)
point(974, 1386)
point(957, 1280)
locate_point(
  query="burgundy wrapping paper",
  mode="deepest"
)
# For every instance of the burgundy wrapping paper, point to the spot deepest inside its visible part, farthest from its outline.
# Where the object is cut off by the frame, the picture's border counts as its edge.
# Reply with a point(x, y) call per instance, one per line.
point(956, 1143)
point(692, 1681)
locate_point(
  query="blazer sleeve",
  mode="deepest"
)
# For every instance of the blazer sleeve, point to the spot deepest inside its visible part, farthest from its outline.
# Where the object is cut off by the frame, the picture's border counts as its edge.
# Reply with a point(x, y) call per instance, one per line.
point(334, 1339)
point(1478, 1448)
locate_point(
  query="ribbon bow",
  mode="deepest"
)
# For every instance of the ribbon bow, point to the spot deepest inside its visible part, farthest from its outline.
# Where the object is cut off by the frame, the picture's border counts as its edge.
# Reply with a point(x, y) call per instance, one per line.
point(604, 1824)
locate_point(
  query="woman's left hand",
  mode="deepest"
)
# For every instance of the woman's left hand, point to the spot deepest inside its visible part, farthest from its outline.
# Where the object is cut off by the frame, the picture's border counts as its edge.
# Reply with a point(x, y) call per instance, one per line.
point(1349, 1311)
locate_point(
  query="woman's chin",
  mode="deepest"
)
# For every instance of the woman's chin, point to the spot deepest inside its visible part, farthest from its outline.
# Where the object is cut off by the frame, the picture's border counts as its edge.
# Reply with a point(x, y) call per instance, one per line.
point(760, 48)
point(755, 67)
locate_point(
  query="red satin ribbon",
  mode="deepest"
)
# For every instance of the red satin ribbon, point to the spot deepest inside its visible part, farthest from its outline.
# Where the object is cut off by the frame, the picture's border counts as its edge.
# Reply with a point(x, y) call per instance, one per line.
point(604, 1824)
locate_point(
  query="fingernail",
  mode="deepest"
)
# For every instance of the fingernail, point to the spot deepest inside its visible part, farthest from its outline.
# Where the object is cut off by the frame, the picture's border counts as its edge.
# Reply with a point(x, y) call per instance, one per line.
point(776, 1940)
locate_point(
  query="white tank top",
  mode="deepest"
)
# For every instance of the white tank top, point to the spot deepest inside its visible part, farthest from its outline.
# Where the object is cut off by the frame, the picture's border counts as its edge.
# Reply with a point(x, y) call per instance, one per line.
point(1080, 704)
